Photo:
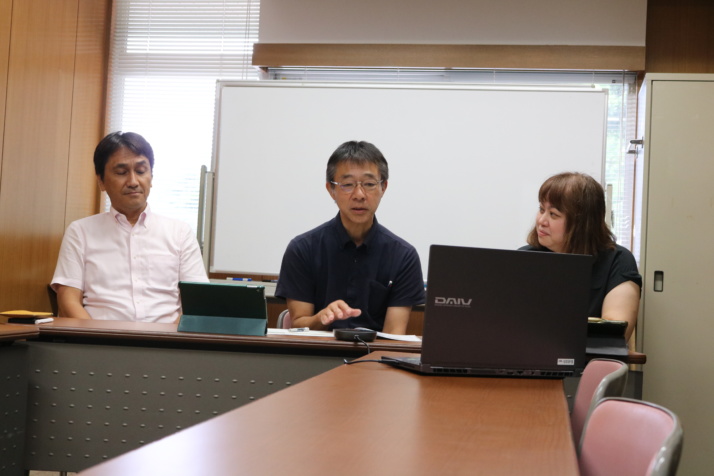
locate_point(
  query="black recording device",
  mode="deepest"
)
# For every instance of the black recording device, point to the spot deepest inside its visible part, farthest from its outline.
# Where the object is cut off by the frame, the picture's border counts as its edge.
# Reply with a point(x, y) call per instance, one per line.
point(355, 335)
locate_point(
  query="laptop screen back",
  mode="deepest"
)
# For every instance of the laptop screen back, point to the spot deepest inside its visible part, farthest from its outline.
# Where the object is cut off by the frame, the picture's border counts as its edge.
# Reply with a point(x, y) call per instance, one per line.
point(506, 309)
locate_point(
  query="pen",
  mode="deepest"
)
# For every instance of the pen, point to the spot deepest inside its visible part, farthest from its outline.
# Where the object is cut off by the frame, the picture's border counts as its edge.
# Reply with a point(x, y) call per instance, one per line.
point(239, 279)
point(298, 329)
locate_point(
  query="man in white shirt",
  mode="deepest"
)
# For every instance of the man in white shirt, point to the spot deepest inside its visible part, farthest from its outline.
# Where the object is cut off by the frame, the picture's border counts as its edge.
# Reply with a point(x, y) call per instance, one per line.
point(125, 264)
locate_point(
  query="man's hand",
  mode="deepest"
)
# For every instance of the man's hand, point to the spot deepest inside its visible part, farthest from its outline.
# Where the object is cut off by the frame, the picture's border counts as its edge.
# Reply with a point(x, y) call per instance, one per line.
point(303, 313)
point(336, 310)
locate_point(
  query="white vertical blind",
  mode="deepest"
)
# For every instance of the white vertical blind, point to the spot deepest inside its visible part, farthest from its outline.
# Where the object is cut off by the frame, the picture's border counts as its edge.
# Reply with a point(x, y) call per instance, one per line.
point(165, 58)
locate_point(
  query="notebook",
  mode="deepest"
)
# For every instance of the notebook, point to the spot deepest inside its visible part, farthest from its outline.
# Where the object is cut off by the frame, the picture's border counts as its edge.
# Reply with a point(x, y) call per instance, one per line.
point(223, 308)
point(504, 313)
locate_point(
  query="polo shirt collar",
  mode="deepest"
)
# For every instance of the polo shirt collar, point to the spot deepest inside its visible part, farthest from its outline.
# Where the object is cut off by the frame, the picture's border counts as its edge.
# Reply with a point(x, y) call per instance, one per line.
point(344, 238)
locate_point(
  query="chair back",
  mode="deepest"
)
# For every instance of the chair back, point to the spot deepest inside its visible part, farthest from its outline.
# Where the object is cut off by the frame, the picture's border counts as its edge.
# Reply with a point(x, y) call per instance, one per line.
point(52, 295)
point(625, 437)
point(284, 320)
point(601, 378)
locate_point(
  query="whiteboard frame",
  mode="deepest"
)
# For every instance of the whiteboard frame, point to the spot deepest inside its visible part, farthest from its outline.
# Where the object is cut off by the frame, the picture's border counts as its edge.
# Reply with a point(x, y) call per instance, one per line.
point(264, 205)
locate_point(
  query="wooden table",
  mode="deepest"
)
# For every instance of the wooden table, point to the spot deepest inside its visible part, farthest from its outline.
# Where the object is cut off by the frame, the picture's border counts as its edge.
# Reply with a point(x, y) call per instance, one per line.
point(127, 332)
point(10, 333)
point(98, 389)
point(86, 330)
point(370, 419)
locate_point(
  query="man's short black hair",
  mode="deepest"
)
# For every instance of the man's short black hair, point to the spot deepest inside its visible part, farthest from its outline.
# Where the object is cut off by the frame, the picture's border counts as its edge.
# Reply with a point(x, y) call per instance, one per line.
point(360, 152)
point(115, 141)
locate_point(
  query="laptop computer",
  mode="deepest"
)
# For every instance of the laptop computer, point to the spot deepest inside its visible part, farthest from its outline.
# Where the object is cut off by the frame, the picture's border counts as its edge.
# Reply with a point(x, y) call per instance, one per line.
point(223, 308)
point(496, 312)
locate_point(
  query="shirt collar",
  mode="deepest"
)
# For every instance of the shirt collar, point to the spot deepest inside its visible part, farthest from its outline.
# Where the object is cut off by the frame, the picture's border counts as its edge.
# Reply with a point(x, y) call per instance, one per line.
point(144, 220)
point(344, 238)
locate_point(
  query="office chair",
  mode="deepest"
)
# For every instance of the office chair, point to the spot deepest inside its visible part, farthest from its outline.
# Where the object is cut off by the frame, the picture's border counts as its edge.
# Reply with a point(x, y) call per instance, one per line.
point(284, 320)
point(601, 378)
point(625, 437)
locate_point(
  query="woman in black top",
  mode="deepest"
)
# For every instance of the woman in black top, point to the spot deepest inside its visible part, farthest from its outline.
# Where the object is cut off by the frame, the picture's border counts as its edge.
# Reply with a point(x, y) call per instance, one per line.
point(571, 219)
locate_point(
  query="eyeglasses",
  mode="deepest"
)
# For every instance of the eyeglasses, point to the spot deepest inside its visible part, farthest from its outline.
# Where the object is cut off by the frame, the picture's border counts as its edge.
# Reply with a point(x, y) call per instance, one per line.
point(368, 186)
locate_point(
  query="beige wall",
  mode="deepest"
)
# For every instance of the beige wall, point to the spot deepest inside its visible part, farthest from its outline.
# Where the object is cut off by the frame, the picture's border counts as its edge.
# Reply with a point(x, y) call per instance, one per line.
point(458, 22)
point(52, 65)
point(511, 34)
point(546, 34)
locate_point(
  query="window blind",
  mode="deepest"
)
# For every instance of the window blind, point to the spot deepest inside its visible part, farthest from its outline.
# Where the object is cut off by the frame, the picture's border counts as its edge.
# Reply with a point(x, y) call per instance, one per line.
point(165, 58)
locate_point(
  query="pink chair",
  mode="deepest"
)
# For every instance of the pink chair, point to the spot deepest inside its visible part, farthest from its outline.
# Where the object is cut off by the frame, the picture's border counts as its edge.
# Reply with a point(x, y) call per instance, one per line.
point(284, 320)
point(601, 378)
point(625, 437)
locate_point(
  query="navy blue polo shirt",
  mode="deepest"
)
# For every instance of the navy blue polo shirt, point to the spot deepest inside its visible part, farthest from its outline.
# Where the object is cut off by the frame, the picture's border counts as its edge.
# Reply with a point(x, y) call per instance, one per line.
point(324, 265)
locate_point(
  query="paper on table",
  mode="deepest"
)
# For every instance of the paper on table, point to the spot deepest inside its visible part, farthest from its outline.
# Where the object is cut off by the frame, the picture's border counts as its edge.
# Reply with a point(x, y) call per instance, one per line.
point(409, 338)
point(286, 332)
point(302, 333)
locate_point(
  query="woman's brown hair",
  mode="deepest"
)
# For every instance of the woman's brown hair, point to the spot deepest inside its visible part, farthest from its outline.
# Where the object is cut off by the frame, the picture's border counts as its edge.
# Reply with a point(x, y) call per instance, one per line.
point(582, 200)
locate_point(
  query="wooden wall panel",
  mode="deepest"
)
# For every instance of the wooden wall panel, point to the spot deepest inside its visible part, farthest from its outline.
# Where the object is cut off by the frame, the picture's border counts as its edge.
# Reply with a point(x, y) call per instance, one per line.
point(88, 100)
point(629, 58)
point(50, 116)
point(5, 24)
point(680, 36)
point(35, 149)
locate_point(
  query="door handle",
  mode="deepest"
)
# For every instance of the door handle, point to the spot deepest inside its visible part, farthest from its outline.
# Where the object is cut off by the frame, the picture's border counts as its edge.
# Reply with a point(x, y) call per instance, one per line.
point(658, 281)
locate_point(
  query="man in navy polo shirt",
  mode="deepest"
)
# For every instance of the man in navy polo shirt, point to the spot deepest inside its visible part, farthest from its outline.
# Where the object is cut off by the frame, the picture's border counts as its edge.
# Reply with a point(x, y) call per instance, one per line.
point(352, 271)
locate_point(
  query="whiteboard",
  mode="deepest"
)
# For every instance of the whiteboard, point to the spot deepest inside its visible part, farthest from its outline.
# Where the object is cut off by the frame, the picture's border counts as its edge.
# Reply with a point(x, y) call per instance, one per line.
point(465, 161)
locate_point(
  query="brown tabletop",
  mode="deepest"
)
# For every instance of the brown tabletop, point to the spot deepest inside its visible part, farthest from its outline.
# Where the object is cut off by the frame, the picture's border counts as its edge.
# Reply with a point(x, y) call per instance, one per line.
point(156, 332)
point(12, 332)
point(138, 331)
point(367, 418)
